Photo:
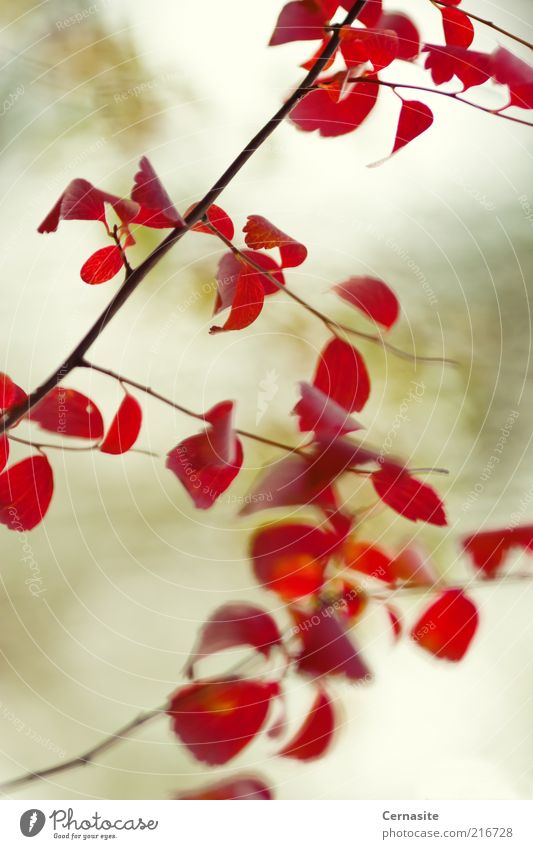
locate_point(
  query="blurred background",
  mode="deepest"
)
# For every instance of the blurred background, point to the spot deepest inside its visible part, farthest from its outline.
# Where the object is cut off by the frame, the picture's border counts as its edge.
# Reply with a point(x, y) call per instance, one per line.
point(127, 569)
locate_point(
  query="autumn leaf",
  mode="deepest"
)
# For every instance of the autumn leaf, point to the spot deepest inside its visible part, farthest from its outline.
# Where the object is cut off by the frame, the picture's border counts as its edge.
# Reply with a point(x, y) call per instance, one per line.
point(102, 265)
point(341, 375)
point(26, 490)
point(125, 427)
point(207, 463)
point(415, 500)
point(314, 738)
point(69, 413)
point(290, 558)
point(448, 626)
point(234, 625)
point(216, 720)
point(372, 297)
point(260, 233)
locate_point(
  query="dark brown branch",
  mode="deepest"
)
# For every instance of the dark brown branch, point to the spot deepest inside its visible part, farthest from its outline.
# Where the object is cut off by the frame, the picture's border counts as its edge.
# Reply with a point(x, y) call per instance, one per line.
point(136, 276)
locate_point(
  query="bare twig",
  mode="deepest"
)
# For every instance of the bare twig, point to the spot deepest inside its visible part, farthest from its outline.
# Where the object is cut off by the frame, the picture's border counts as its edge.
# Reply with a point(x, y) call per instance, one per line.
point(450, 94)
point(328, 322)
point(246, 434)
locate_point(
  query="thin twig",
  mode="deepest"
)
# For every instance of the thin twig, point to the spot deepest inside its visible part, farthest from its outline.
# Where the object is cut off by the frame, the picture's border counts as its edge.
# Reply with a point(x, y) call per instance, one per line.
point(94, 446)
point(246, 434)
point(50, 446)
point(487, 23)
point(89, 756)
point(330, 323)
point(450, 94)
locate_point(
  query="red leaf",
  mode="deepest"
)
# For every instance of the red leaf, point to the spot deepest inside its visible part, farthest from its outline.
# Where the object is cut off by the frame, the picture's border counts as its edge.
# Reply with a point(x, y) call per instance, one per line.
point(471, 67)
point(291, 558)
point(488, 549)
point(235, 624)
point(369, 14)
point(268, 264)
point(316, 412)
point(69, 413)
point(458, 28)
point(207, 463)
point(317, 54)
point(302, 20)
point(11, 395)
point(372, 297)
point(4, 451)
point(102, 265)
point(243, 788)
point(412, 566)
point(230, 268)
point(332, 117)
point(260, 233)
point(408, 36)
point(396, 622)
point(518, 75)
point(326, 647)
point(25, 493)
point(447, 627)
point(314, 737)
point(299, 479)
point(288, 482)
point(407, 496)
point(351, 602)
point(216, 720)
point(368, 559)
point(378, 46)
point(415, 119)
point(341, 374)
point(124, 428)
point(157, 209)
point(81, 201)
point(218, 219)
point(243, 292)
point(7, 392)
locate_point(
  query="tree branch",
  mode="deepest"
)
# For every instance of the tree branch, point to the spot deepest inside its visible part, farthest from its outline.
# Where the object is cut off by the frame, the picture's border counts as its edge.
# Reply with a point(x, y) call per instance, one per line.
point(134, 277)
